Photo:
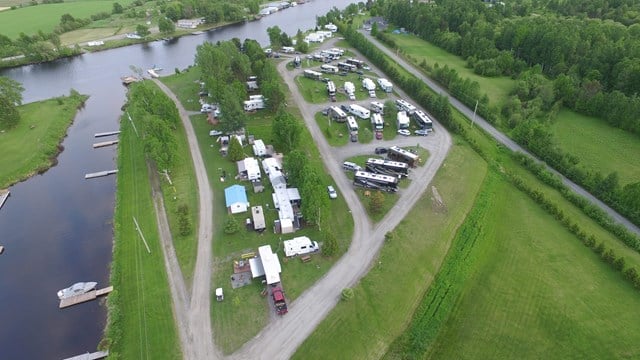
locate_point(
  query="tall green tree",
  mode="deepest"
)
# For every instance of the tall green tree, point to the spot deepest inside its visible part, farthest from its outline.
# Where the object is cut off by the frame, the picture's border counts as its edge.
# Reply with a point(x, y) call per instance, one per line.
point(10, 98)
point(294, 164)
point(235, 152)
point(275, 36)
point(166, 26)
point(286, 131)
point(142, 30)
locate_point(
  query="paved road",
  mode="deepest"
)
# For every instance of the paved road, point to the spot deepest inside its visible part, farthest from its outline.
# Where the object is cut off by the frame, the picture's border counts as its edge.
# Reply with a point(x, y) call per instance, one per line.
point(280, 338)
point(198, 341)
point(500, 137)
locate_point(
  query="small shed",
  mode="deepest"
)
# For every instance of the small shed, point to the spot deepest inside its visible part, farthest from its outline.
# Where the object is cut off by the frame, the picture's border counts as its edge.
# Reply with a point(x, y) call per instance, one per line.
point(259, 149)
point(236, 199)
point(286, 226)
point(258, 218)
point(257, 186)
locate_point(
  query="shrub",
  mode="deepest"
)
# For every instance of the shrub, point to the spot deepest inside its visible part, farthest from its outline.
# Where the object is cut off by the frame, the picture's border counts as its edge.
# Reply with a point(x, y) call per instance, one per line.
point(347, 294)
point(231, 225)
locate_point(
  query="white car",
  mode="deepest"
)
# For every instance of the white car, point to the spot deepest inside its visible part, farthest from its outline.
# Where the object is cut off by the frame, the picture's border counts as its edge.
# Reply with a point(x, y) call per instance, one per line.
point(404, 132)
point(332, 192)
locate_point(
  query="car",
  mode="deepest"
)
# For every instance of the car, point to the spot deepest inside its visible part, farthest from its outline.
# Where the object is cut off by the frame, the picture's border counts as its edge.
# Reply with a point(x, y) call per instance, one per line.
point(343, 73)
point(421, 132)
point(404, 132)
point(359, 72)
point(378, 135)
point(332, 192)
point(354, 136)
point(325, 111)
point(344, 108)
point(366, 67)
point(347, 165)
point(380, 150)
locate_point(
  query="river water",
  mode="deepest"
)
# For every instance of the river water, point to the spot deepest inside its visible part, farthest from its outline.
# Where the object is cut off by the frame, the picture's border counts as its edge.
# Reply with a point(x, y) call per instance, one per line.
point(57, 227)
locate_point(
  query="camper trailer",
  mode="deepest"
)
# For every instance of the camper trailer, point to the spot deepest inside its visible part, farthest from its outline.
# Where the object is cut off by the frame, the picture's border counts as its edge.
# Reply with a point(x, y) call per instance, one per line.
point(359, 111)
point(331, 27)
point(385, 85)
point(258, 218)
point(312, 74)
point(377, 122)
point(337, 114)
point(255, 102)
point(352, 125)
point(330, 69)
point(405, 106)
point(300, 246)
point(331, 88)
point(377, 107)
point(368, 84)
point(402, 120)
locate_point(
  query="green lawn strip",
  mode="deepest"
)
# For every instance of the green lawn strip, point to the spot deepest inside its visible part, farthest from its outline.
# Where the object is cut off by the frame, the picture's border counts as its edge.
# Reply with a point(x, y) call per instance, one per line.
point(182, 191)
point(186, 86)
point(46, 17)
point(140, 322)
point(594, 141)
point(534, 292)
point(315, 91)
point(33, 144)
point(496, 88)
point(386, 297)
point(336, 133)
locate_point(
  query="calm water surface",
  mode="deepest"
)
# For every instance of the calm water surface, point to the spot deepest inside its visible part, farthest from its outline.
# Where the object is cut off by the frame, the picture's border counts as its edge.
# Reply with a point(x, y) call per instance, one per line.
point(57, 227)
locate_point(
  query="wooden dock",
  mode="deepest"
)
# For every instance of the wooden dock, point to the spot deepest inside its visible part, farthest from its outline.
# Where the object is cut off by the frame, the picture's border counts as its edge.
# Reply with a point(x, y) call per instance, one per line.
point(100, 174)
point(91, 356)
point(105, 143)
point(108, 133)
point(4, 194)
point(88, 296)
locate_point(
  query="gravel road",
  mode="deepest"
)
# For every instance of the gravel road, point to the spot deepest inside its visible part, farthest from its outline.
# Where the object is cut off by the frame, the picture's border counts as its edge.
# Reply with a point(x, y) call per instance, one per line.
point(502, 138)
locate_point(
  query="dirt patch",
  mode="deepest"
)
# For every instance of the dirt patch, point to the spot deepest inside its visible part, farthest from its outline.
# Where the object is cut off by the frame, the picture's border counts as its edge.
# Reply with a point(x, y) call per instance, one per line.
point(437, 204)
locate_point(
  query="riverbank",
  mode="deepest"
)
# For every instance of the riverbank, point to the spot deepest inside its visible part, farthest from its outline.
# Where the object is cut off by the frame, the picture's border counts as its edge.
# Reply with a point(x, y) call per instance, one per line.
point(33, 145)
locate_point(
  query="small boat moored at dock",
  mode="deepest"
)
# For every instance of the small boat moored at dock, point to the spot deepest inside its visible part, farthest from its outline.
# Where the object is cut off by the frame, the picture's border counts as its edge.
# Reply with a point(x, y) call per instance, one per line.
point(76, 289)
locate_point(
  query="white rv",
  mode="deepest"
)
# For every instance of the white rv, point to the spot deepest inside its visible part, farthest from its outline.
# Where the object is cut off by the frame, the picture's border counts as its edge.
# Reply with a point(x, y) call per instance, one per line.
point(312, 74)
point(329, 69)
point(288, 49)
point(349, 88)
point(377, 122)
point(259, 149)
point(331, 88)
point(359, 111)
point(368, 84)
point(405, 106)
point(402, 120)
point(385, 85)
point(255, 102)
point(300, 246)
point(331, 27)
point(352, 125)
point(377, 107)
point(337, 114)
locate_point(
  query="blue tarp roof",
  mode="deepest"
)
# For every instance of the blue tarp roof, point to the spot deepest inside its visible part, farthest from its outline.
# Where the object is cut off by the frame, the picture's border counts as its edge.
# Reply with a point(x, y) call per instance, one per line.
point(235, 194)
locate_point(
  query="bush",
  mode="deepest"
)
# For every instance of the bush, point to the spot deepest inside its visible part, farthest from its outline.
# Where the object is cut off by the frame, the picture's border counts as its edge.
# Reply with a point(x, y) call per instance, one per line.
point(231, 225)
point(347, 294)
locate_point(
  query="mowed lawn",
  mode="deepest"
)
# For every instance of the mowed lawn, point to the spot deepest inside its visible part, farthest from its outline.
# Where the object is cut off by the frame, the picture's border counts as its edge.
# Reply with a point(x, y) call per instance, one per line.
point(536, 292)
point(386, 297)
point(496, 88)
point(600, 146)
point(46, 17)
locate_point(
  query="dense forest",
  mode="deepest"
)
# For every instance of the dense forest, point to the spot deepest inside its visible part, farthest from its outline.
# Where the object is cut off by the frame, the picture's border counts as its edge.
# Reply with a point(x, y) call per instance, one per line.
point(584, 55)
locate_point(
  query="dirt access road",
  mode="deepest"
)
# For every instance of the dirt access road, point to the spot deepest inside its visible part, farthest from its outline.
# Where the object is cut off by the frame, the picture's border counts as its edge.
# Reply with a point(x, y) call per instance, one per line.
point(283, 335)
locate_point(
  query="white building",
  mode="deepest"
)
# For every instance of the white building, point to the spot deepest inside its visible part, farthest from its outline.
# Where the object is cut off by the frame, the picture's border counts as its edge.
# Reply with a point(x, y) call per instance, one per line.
point(249, 169)
point(236, 199)
point(259, 149)
point(189, 23)
point(299, 246)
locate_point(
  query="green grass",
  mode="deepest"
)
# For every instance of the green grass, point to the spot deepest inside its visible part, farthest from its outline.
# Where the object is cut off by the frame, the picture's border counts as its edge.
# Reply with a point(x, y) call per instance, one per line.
point(385, 298)
point(593, 141)
point(496, 88)
point(336, 133)
point(186, 86)
point(46, 17)
point(535, 292)
point(141, 323)
point(32, 146)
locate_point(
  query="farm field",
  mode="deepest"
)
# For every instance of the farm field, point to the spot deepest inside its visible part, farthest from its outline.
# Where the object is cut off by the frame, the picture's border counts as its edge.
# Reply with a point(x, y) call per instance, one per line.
point(385, 298)
point(496, 88)
point(600, 146)
point(28, 148)
point(534, 291)
point(46, 17)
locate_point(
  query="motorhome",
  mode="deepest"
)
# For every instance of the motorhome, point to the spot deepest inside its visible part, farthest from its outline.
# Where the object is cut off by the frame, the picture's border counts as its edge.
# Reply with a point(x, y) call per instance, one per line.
point(368, 84)
point(352, 124)
point(359, 111)
point(349, 88)
point(377, 107)
point(329, 69)
point(337, 114)
point(255, 102)
point(423, 120)
point(347, 67)
point(312, 74)
point(387, 167)
point(299, 246)
point(377, 122)
point(385, 85)
point(375, 181)
point(331, 88)
point(402, 120)
point(399, 154)
point(405, 106)
point(355, 62)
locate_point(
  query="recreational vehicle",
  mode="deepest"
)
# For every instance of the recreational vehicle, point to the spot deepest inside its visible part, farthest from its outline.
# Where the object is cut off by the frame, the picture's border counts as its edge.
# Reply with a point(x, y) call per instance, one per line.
point(337, 114)
point(347, 67)
point(385, 85)
point(375, 181)
point(359, 111)
point(288, 50)
point(355, 62)
point(377, 107)
point(312, 74)
point(331, 27)
point(352, 125)
point(331, 88)
point(255, 102)
point(387, 167)
point(423, 120)
point(368, 84)
point(328, 69)
point(399, 154)
point(377, 122)
point(405, 106)
point(299, 246)
point(402, 120)
point(349, 88)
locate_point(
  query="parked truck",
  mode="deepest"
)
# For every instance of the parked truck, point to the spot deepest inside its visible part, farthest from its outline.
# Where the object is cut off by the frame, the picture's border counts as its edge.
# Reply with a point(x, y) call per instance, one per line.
point(279, 300)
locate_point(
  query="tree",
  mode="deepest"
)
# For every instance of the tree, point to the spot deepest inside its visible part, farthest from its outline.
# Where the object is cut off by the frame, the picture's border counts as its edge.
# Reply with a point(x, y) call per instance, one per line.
point(231, 225)
point(166, 26)
point(142, 30)
point(376, 202)
point(235, 150)
point(294, 163)
point(10, 98)
point(233, 116)
point(117, 8)
point(286, 131)
point(275, 36)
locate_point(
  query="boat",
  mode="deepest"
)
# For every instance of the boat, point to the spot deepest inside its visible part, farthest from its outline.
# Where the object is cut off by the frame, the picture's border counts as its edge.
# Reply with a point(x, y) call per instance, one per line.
point(153, 73)
point(76, 289)
point(126, 80)
point(156, 68)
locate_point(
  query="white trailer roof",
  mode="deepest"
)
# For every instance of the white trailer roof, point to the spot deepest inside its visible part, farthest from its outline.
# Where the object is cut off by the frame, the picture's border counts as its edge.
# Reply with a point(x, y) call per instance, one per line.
point(270, 264)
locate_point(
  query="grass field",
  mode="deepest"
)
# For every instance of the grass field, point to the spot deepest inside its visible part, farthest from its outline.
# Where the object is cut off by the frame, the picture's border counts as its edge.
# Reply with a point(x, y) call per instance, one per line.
point(46, 17)
point(141, 323)
point(535, 292)
point(31, 146)
point(496, 88)
point(593, 140)
point(385, 298)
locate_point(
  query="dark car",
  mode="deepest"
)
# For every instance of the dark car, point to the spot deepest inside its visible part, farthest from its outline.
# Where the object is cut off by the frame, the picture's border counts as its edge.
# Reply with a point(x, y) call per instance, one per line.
point(380, 150)
point(354, 137)
point(325, 111)
point(344, 108)
point(343, 73)
point(378, 135)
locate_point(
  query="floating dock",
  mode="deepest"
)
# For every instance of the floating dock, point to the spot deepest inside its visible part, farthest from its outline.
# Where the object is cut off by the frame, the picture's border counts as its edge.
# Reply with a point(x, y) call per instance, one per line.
point(108, 133)
point(105, 143)
point(4, 194)
point(100, 174)
point(88, 296)
point(91, 356)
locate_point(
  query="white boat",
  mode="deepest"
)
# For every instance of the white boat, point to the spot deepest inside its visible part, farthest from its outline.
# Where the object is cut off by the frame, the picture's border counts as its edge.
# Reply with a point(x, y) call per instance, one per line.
point(76, 289)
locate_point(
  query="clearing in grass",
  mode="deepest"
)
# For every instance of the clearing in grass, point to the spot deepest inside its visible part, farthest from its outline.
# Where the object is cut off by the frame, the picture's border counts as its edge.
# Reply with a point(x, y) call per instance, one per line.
point(33, 144)
point(386, 297)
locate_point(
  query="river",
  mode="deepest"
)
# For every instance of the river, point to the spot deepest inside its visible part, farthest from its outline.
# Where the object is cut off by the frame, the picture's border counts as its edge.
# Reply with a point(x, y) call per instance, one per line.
point(57, 227)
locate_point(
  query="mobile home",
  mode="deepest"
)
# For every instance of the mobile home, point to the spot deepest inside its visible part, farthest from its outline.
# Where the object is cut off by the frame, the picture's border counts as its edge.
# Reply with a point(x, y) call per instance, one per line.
point(299, 246)
point(359, 111)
